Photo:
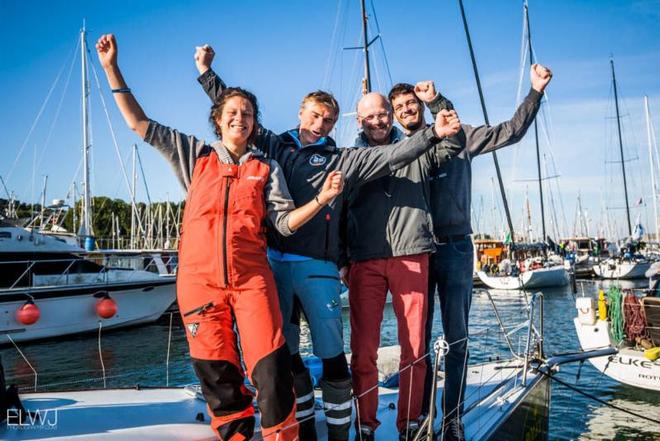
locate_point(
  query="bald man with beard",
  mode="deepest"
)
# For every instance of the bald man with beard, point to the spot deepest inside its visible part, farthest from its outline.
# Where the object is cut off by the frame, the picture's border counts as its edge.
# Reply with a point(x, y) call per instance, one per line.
point(389, 238)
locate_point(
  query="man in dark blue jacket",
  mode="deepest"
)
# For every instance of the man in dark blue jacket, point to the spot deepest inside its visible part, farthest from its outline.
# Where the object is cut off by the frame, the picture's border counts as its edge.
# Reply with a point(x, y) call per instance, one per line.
point(451, 267)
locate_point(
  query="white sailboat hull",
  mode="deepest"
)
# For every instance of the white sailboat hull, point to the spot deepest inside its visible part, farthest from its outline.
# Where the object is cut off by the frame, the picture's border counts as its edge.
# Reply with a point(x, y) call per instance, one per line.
point(609, 269)
point(66, 310)
point(628, 366)
point(493, 399)
point(532, 279)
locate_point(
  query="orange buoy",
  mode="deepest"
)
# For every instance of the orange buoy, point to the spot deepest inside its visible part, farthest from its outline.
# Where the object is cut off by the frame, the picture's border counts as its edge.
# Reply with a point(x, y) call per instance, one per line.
point(106, 307)
point(28, 313)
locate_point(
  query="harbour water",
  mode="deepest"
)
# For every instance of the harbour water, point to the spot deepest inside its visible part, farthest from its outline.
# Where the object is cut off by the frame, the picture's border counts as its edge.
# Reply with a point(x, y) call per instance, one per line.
point(139, 356)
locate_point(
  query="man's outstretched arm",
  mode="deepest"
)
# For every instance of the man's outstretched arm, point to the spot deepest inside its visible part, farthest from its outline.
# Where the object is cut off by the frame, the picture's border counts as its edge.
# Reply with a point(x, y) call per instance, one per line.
point(362, 165)
point(484, 139)
point(210, 81)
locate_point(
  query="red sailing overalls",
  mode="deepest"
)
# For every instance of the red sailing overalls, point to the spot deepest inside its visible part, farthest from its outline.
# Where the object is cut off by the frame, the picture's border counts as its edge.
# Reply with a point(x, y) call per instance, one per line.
point(224, 278)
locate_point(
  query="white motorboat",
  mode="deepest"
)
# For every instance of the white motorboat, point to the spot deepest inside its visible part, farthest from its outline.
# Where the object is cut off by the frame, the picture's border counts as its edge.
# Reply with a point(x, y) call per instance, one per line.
point(65, 289)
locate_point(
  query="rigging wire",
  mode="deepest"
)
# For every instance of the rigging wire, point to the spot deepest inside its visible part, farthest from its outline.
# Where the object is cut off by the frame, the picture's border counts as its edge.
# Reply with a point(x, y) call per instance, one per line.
point(354, 91)
point(332, 55)
point(59, 107)
point(39, 113)
point(551, 196)
point(524, 44)
point(545, 123)
point(144, 177)
point(382, 45)
point(523, 57)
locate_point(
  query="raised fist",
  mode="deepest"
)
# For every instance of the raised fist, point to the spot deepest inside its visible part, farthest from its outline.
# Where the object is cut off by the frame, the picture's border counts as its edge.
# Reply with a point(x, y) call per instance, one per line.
point(447, 123)
point(540, 77)
point(106, 48)
point(204, 57)
point(425, 91)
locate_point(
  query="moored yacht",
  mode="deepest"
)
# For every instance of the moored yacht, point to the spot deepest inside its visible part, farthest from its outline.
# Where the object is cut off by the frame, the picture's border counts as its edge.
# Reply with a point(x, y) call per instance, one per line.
point(528, 267)
point(50, 288)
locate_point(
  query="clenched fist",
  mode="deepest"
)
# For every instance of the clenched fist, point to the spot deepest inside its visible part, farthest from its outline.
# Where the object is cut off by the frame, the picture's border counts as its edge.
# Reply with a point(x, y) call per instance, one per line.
point(106, 48)
point(540, 77)
point(204, 57)
point(425, 91)
point(447, 123)
point(333, 185)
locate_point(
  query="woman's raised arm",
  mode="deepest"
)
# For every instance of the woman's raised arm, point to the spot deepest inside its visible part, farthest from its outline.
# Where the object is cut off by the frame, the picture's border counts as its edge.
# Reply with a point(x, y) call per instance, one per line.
point(135, 118)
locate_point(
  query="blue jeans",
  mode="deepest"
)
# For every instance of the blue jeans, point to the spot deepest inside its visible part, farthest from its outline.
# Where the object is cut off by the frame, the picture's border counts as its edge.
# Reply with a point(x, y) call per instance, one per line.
point(450, 275)
point(316, 285)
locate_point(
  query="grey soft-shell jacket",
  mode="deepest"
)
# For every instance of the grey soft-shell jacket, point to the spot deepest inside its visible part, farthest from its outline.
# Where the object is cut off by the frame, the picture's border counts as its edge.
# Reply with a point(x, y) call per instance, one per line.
point(451, 184)
point(390, 216)
point(305, 169)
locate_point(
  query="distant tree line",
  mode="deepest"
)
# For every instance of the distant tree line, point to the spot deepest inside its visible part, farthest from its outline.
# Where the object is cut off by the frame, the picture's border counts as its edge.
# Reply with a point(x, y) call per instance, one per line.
point(109, 217)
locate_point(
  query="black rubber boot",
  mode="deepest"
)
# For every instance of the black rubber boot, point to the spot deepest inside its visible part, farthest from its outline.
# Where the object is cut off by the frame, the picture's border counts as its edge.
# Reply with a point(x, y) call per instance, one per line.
point(338, 407)
point(302, 385)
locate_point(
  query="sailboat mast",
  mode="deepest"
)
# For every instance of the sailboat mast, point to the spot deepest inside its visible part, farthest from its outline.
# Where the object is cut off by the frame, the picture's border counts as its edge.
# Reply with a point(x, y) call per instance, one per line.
point(581, 218)
point(43, 204)
point(167, 222)
point(365, 48)
point(649, 134)
point(483, 108)
point(85, 222)
point(528, 211)
point(133, 206)
point(623, 162)
point(536, 130)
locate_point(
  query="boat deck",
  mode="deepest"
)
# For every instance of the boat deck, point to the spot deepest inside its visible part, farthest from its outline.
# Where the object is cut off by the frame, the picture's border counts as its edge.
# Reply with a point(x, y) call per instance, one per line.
point(493, 392)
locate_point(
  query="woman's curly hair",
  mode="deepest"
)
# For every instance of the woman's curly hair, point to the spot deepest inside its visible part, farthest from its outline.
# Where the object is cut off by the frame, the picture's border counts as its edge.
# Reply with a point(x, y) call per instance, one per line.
point(216, 110)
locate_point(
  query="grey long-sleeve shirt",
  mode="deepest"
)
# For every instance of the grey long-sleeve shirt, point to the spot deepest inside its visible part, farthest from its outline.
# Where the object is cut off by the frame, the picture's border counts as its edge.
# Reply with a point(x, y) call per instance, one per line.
point(451, 183)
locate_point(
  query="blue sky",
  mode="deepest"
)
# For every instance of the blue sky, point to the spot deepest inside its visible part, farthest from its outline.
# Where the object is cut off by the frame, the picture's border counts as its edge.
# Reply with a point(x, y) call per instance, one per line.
point(282, 50)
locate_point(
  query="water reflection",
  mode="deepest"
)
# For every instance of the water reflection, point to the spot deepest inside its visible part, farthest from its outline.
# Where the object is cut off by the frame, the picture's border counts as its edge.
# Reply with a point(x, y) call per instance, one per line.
point(138, 356)
point(608, 423)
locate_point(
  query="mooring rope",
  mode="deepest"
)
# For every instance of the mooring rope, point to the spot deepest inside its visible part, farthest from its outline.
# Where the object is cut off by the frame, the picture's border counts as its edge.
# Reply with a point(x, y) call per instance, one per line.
point(26, 360)
point(101, 354)
point(615, 313)
point(634, 319)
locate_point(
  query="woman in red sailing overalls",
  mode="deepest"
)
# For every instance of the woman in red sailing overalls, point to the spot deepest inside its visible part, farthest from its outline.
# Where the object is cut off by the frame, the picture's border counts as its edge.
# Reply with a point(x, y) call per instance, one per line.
point(224, 277)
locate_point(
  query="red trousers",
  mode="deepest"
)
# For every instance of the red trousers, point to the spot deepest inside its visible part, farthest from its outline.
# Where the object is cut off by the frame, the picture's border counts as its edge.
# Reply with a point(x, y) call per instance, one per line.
point(406, 278)
point(209, 314)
